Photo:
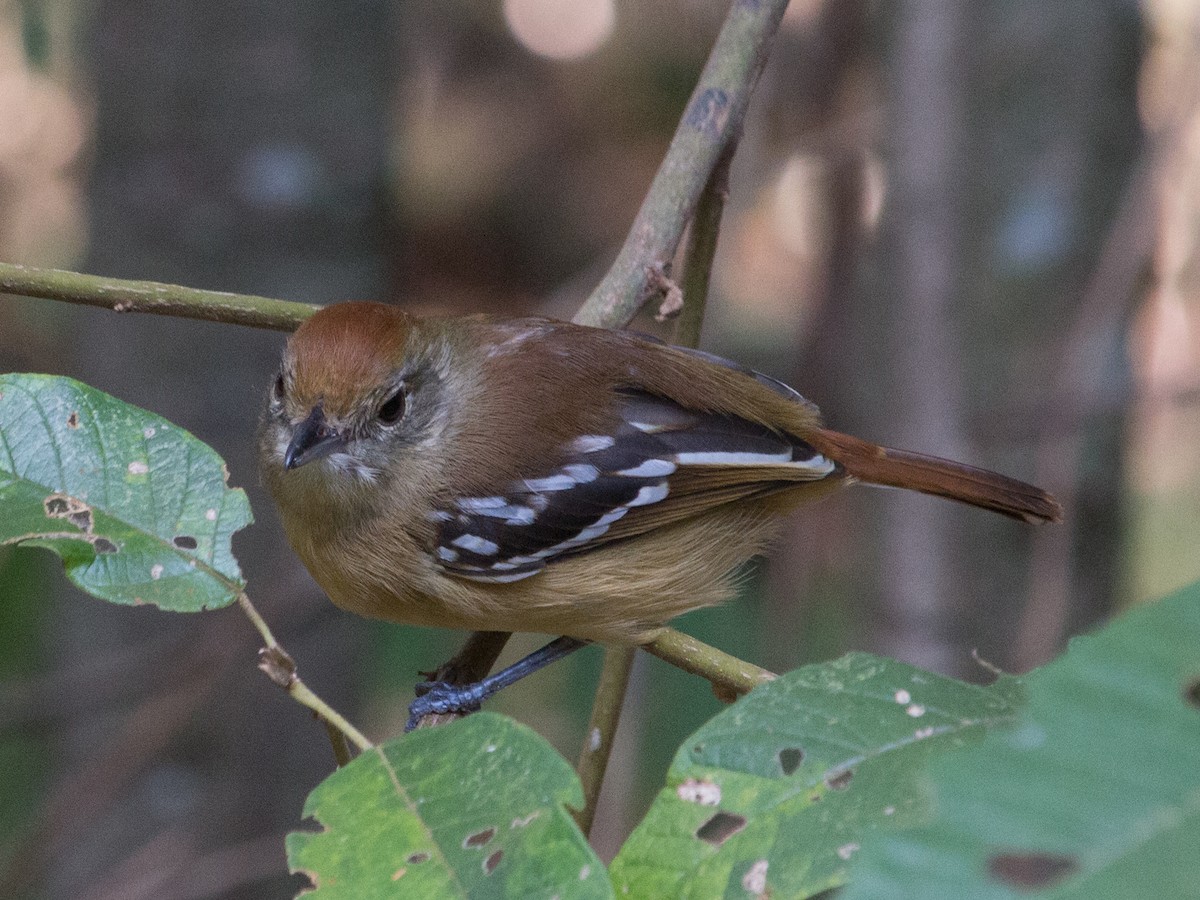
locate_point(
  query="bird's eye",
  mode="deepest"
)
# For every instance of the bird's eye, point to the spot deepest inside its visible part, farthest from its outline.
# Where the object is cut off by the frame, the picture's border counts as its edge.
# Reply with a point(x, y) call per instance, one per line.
point(392, 410)
point(278, 388)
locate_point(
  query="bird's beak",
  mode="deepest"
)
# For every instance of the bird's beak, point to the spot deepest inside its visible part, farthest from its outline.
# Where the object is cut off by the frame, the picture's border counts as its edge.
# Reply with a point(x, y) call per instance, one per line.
point(312, 439)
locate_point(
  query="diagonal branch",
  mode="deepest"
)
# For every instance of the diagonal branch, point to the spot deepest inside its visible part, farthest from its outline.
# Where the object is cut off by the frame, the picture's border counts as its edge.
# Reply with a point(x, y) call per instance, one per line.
point(712, 121)
point(618, 661)
point(277, 664)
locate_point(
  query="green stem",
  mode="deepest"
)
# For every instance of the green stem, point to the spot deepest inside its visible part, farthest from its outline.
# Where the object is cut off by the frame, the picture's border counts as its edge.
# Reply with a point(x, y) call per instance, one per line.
point(711, 122)
point(729, 676)
point(278, 665)
point(301, 693)
point(618, 661)
point(602, 729)
point(256, 619)
point(341, 750)
point(121, 295)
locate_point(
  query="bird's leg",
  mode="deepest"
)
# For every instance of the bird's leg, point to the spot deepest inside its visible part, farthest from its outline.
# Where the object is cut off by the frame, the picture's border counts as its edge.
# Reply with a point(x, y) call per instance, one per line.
point(473, 661)
point(441, 697)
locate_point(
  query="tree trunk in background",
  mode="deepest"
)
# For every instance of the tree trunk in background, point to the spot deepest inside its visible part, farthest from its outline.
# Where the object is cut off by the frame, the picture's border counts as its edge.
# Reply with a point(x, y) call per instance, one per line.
point(1051, 255)
point(238, 147)
point(1164, 430)
point(1012, 130)
point(925, 388)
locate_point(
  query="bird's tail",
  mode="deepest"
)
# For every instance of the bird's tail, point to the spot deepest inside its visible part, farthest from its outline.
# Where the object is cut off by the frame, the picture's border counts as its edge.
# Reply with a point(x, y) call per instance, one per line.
point(872, 464)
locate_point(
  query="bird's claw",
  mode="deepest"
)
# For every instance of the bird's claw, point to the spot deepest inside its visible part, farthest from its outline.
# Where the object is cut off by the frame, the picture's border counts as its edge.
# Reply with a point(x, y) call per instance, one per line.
point(439, 698)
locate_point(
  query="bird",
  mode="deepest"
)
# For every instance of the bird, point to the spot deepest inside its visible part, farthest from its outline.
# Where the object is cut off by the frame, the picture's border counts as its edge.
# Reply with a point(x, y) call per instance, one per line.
point(534, 475)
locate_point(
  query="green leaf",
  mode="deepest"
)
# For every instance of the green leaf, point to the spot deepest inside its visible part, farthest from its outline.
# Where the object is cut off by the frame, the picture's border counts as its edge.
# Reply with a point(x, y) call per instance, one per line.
point(137, 508)
point(1094, 792)
point(472, 809)
point(774, 795)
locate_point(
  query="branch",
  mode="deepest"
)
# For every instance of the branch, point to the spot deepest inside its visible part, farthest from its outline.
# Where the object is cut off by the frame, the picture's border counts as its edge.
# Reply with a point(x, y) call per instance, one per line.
point(281, 669)
point(602, 729)
point(121, 295)
point(618, 661)
point(701, 248)
point(711, 122)
point(729, 676)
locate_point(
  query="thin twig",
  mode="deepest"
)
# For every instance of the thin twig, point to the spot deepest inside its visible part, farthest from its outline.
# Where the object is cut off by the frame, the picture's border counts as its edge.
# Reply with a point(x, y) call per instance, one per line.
point(257, 621)
point(337, 740)
point(122, 295)
point(730, 677)
point(712, 120)
point(602, 729)
point(701, 248)
point(302, 694)
point(618, 661)
point(279, 666)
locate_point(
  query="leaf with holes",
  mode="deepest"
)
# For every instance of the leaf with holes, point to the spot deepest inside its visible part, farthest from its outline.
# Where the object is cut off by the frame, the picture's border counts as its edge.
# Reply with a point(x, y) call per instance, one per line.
point(1093, 792)
point(137, 508)
point(774, 795)
point(471, 809)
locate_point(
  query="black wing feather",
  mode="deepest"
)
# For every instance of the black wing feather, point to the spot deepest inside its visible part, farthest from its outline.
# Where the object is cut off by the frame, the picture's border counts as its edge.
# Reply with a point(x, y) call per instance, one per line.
point(612, 486)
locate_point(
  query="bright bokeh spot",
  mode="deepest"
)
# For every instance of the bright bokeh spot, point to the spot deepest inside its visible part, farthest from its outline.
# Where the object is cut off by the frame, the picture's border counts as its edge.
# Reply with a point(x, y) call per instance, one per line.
point(561, 29)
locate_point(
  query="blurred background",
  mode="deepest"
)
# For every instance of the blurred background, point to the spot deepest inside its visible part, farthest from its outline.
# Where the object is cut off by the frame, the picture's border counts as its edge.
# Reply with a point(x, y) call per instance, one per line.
point(963, 228)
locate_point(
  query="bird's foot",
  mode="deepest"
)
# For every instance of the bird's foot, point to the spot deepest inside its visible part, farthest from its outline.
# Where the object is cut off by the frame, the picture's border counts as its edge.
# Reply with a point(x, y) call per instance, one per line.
point(441, 697)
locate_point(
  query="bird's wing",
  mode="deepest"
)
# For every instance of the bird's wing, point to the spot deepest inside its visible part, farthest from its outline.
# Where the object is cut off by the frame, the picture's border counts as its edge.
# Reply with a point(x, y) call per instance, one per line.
point(662, 464)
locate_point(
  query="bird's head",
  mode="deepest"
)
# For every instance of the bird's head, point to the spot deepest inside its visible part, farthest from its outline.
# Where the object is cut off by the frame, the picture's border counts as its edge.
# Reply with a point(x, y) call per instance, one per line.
point(359, 386)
